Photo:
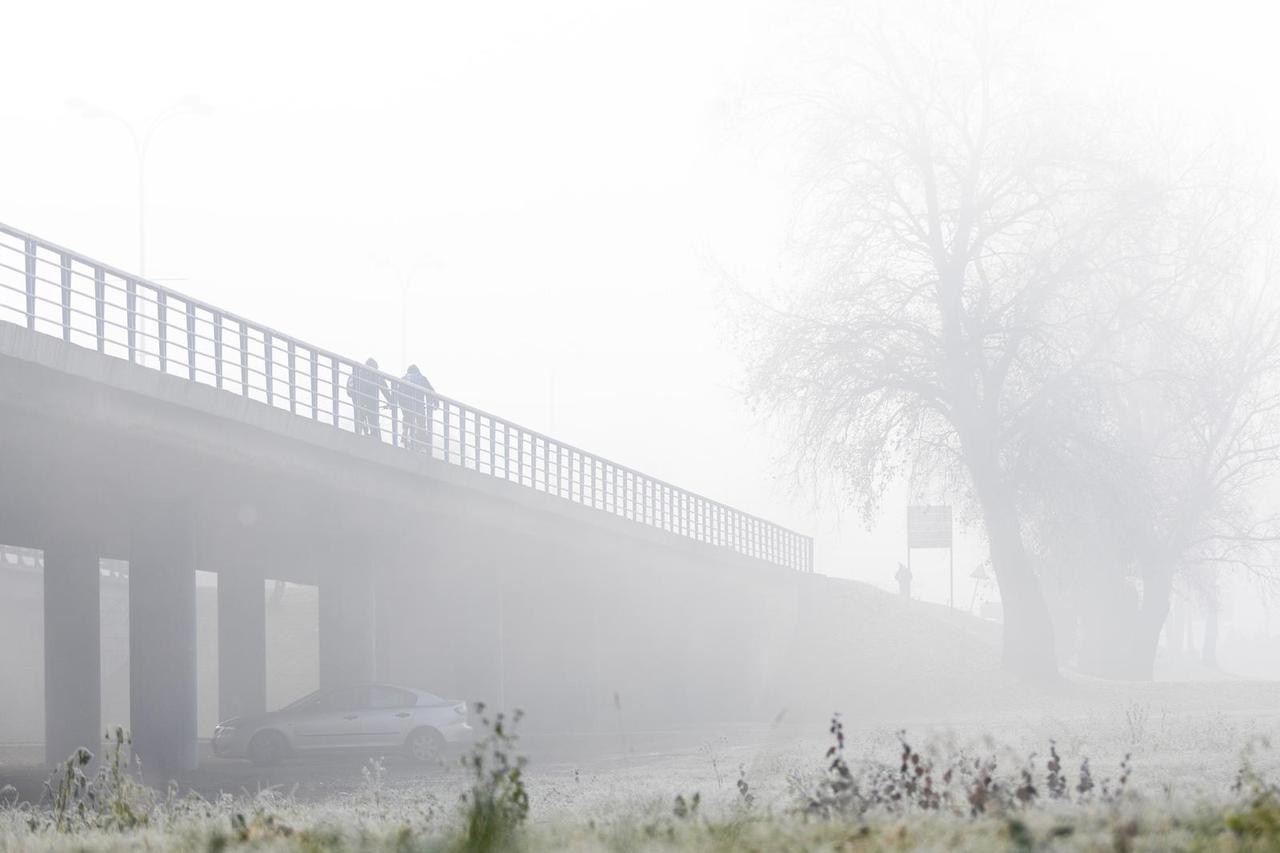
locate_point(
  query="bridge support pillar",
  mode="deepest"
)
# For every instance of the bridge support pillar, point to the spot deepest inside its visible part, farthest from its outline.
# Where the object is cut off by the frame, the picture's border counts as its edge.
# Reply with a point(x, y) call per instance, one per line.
point(346, 626)
point(72, 662)
point(242, 643)
point(162, 647)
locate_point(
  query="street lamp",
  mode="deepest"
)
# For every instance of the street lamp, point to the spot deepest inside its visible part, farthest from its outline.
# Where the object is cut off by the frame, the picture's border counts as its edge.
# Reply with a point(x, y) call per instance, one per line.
point(141, 136)
point(406, 278)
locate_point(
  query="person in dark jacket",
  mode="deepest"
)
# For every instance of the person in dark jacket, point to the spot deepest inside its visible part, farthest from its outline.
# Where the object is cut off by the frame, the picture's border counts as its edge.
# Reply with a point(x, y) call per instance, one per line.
point(363, 387)
point(903, 577)
point(417, 405)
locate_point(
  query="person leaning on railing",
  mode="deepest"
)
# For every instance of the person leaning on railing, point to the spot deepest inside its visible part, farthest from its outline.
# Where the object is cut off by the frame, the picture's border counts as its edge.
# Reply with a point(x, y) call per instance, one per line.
point(363, 387)
point(417, 403)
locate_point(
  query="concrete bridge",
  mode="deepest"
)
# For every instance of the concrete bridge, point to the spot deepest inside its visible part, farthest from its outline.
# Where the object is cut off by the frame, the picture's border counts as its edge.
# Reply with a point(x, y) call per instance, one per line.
point(468, 555)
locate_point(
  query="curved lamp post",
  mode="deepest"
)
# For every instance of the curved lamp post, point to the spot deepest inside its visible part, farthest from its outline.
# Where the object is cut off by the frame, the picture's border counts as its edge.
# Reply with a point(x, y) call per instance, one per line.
point(141, 134)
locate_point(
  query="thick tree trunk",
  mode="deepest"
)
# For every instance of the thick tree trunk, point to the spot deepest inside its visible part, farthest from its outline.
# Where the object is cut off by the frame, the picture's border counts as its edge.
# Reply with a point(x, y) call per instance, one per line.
point(1121, 633)
point(1028, 645)
point(1156, 591)
point(1111, 610)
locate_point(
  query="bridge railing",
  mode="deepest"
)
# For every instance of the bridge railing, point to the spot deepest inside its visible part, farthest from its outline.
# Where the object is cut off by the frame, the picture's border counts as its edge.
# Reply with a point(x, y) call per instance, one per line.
point(55, 291)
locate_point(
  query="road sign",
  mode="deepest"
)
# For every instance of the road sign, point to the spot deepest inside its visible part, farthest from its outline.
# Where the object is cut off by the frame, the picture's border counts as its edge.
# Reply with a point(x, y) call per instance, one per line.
point(928, 527)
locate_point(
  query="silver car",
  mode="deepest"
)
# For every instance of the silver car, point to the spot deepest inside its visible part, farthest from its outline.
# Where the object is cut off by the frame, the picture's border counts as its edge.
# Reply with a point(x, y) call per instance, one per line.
point(369, 717)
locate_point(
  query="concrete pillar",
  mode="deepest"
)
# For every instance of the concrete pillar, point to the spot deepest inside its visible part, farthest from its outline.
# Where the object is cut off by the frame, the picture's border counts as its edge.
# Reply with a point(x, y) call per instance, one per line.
point(346, 625)
point(72, 657)
point(242, 643)
point(162, 646)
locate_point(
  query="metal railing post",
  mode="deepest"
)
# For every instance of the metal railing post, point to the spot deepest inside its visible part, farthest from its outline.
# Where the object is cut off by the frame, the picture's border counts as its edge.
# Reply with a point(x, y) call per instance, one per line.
point(244, 359)
point(131, 317)
point(191, 341)
point(582, 478)
point(217, 350)
point(314, 367)
point(29, 249)
point(162, 330)
point(561, 475)
point(444, 439)
point(506, 449)
point(335, 381)
point(100, 307)
point(491, 448)
point(65, 282)
point(519, 457)
point(269, 359)
point(395, 421)
point(293, 380)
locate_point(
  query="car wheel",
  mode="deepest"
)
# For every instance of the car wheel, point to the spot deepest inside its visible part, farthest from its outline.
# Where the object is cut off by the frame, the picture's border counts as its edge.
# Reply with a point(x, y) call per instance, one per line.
point(267, 748)
point(424, 745)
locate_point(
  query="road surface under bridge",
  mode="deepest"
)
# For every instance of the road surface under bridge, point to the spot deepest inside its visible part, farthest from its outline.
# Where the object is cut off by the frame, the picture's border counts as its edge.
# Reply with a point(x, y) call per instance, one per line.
point(467, 554)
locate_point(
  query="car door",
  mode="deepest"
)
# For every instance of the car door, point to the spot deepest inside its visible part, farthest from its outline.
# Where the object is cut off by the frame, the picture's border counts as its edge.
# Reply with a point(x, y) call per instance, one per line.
point(390, 717)
point(334, 722)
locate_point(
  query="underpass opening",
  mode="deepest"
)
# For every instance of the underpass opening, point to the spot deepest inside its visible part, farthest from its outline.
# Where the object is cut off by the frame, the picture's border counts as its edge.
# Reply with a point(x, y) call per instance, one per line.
point(293, 645)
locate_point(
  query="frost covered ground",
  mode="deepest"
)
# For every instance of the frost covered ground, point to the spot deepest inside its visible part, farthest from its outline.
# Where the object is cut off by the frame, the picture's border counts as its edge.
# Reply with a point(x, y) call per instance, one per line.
point(1199, 775)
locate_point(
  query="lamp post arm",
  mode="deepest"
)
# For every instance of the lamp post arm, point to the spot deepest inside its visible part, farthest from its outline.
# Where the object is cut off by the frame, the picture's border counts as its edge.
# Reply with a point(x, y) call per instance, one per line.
point(140, 143)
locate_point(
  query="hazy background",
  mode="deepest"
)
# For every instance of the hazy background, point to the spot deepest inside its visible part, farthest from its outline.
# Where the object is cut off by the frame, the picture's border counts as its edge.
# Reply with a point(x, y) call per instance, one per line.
point(568, 186)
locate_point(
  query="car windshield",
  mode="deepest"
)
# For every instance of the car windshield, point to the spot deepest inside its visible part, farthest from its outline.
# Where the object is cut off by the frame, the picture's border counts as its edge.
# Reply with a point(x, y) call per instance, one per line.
point(341, 697)
point(303, 702)
point(382, 696)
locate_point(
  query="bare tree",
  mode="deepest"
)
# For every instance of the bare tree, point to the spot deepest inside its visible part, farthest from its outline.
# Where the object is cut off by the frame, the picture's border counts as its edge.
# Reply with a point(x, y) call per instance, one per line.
point(967, 248)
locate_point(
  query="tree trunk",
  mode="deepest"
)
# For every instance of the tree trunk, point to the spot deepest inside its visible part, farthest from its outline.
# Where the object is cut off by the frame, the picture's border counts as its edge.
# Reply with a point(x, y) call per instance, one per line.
point(1157, 589)
point(1121, 633)
point(1028, 646)
point(1110, 626)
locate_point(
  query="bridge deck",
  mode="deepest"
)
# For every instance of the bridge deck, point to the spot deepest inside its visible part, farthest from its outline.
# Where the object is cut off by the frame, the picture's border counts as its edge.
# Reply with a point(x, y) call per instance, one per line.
point(55, 291)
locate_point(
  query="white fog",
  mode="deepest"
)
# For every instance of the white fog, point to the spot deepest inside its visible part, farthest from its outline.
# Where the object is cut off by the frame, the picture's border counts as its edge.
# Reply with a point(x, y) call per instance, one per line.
point(684, 399)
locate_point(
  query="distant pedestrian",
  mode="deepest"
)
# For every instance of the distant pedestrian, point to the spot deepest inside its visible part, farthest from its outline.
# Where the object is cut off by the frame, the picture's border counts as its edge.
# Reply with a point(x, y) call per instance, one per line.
point(363, 387)
point(418, 403)
point(903, 577)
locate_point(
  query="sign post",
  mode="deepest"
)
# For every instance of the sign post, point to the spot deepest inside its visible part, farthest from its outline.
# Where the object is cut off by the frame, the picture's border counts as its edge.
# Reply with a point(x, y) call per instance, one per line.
point(979, 576)
point(930, 527)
